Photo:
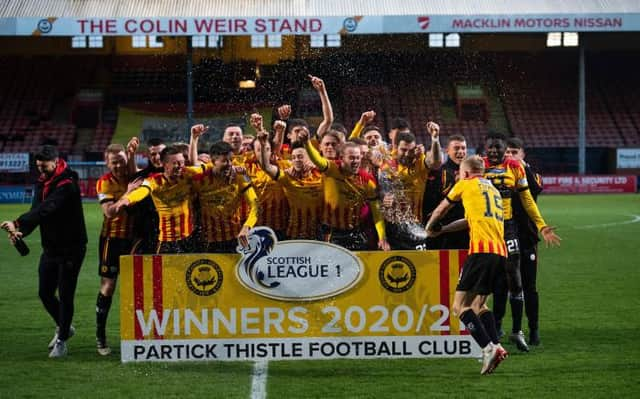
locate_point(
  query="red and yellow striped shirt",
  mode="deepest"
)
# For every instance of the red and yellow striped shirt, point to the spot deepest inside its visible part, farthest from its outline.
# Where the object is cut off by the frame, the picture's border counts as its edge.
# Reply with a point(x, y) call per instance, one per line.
point(305, 198)
point(173, 201)
point(109, 189)
point(510, 179)
point(483, 210)
point(220, 201)
point(345, 196)
point(273, 207)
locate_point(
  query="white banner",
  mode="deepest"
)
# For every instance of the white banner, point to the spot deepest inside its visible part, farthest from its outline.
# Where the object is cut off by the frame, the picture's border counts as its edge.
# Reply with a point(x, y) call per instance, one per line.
point(17, 162)
point(299, 348)
point(628, 158)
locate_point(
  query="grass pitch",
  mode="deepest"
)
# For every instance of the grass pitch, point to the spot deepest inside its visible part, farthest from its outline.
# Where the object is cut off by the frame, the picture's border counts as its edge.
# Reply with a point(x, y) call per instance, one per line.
point(589, 327)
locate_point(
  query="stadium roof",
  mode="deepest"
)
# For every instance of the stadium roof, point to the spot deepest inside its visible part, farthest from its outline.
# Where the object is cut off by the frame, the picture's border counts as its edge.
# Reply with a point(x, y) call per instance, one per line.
point(296, 8)
point(246, 17)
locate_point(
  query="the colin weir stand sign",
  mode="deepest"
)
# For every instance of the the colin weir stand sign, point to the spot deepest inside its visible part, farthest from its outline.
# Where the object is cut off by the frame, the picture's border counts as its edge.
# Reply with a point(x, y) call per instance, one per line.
point(291, 300)
point(211, 25)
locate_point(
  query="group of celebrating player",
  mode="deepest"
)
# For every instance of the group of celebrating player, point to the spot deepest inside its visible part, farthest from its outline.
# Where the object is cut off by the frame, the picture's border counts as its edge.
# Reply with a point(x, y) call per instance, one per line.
point(353, 190)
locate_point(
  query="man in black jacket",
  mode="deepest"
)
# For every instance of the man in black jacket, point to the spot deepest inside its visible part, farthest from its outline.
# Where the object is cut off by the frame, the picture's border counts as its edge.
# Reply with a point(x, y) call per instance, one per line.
point(438, 186)
point(144, 213)
point(57, 209)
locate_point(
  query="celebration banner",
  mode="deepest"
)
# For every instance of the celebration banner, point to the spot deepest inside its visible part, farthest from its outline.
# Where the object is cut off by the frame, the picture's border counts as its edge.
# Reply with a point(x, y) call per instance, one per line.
point(291, 300)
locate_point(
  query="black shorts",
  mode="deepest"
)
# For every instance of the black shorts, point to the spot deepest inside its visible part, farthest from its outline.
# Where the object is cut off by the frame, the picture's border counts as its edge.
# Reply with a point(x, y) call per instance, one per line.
point(511, 237)
point(407, 236)
point(144, 246)
point(353, 240)
point(110, 251)
point(184, 246)
point(221, 247)
point(480, 272)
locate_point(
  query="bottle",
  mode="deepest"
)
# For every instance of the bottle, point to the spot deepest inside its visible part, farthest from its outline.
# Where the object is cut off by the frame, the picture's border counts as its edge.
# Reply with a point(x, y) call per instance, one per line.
point(21, 246)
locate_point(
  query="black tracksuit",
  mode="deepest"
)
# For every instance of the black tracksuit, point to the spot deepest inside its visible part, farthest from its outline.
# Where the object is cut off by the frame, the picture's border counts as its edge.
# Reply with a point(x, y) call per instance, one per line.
point(438, 186)
point(145, 219)
point(57, 209)
point(528, 237)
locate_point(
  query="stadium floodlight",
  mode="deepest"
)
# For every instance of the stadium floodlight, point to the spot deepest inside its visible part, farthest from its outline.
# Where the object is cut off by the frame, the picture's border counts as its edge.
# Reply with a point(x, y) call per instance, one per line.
point(554, 39)
point(452, 40)
point(247, 84)
point(436, 40)
point(79, 42)
point(274, 41)
point(570, 39)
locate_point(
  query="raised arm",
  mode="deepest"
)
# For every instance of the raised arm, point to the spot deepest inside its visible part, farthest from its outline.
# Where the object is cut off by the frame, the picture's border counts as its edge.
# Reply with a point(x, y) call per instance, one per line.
point(321, 163)
point(196, 132)
point(279, 128)
point(263, 154)
point(132, 148)
point(327, 111)
point(433, 159)
point(366, 118)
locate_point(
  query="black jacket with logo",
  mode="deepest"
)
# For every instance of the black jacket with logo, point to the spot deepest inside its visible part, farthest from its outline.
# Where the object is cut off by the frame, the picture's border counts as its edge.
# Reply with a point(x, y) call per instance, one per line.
point(438, 186)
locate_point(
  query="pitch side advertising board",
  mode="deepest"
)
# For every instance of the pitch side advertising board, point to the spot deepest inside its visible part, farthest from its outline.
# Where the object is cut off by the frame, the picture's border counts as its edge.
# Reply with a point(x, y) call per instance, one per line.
point(13, 194)
point(14, 162)
point(576, 184)
point(291, 300)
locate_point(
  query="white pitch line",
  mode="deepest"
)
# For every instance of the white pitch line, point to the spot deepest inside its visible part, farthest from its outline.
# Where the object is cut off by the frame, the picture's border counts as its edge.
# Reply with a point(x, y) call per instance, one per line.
point(259, 380)
point(636, 219)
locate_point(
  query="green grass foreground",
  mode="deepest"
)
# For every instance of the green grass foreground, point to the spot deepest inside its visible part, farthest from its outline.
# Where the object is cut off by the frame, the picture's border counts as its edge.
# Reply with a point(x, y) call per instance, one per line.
point(589, 327)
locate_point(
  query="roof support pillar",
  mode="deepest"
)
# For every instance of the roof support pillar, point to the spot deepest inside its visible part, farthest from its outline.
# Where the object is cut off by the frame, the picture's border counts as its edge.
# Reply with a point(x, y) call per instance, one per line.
point(582, 111)
point(189, 86)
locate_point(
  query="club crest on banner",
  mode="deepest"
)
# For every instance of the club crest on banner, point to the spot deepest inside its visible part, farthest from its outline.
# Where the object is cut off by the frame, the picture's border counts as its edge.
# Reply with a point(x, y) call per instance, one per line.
point(296, 270)
point(204, 277)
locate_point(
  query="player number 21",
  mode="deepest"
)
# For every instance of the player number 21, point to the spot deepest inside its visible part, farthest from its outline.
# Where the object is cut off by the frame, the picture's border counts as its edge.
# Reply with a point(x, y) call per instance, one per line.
point(497, 204)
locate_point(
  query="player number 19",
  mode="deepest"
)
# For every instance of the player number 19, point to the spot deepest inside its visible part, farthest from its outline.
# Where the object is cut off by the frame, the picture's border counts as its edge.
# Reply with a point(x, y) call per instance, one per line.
point(497, 204)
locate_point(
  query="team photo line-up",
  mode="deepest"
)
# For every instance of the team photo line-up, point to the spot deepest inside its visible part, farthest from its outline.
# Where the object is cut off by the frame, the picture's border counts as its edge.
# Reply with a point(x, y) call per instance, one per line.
point(353, 189)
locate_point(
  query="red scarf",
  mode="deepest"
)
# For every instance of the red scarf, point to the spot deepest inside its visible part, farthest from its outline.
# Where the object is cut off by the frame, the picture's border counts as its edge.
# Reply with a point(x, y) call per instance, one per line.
point(60, 167)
